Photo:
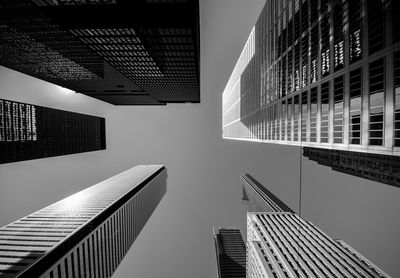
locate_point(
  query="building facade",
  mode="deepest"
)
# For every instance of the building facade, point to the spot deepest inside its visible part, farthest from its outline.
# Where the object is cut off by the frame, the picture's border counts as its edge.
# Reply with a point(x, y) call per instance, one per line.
point(86, 234)
point(231, 253)
point(141, 52)
point(283, 245)
point(319, 73)
point(258, 198)
point(376, 167)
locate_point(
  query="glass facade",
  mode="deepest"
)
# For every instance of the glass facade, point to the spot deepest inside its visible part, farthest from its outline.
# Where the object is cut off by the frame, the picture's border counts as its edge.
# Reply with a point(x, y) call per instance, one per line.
point(321, 77)
point(30, 132)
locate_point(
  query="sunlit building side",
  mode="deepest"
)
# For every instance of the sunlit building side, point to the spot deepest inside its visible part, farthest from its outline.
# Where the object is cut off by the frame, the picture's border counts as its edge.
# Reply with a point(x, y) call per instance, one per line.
point(86, 234)
point(323, 74)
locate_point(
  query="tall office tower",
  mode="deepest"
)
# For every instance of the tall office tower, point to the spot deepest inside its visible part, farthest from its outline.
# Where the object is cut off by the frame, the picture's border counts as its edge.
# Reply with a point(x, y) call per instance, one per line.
point(142, 52)
point(258, 198)
point(380, 168)
point(86, 234)
point(283, 245)
point(322, 74)
point(231, 253)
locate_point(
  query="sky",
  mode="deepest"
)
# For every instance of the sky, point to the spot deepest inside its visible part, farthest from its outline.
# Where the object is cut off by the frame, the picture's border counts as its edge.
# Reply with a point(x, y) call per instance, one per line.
point(203, 188)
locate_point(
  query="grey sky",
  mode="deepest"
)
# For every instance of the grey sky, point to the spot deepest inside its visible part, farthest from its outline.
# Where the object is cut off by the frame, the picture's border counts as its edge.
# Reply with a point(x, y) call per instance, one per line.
point(203, 170)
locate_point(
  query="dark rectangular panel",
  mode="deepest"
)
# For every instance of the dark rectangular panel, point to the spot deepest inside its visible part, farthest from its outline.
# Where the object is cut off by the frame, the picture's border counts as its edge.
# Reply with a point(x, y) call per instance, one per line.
point(30, 131)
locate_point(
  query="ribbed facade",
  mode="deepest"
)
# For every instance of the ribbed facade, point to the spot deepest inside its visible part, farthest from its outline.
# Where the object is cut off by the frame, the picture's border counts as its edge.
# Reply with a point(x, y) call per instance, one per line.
point(86, 234)
point(284, 245)
point(231, 253)
point(319, 73)
point(258, 198)
point(376, 167)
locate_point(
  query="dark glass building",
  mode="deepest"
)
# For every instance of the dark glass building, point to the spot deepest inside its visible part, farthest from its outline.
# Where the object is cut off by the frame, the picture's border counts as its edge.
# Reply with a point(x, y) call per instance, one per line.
point(318, 73)
point(231, 253)
point(376, 167)
point(86, 234)
point(120, 51)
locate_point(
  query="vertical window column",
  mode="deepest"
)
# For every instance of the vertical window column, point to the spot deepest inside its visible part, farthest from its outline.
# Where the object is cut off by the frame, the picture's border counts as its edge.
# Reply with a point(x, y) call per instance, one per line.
point(304, 114)
point(313, 114)
point(289, 119)
point(283, 120)
point(338, 37)
point(338, 100)
point(355, 107)
point(296, 118)
point(396, 131)
point(376, 102)
point(324, 116)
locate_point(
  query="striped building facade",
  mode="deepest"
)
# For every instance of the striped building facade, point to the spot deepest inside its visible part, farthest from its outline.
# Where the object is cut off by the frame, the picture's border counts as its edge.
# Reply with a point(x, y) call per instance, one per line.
point(284, 245)
point(280, 244)
point(319, 73)
point(231, 253)
point(86, 234)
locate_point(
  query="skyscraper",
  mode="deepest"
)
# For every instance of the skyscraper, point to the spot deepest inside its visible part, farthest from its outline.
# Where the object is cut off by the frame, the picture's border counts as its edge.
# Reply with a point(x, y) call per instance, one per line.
point(142, 52)
point(258, 198)
point(282, 244)
point(86, 234)
point(322, 74)
point(231, 253)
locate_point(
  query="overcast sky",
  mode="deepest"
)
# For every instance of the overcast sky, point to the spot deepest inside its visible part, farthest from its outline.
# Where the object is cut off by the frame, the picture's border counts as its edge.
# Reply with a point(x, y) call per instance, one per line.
point(203, 169)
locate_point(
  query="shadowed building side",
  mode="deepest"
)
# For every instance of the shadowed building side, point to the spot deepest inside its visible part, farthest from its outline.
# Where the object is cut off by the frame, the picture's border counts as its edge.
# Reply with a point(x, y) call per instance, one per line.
point(231, 253)
point(86, 234)
point(257, 198)
point(376, 167)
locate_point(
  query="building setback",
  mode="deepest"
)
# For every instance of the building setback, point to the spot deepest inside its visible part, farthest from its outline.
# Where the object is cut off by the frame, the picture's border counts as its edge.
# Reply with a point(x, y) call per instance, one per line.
point(322, 74)
point(281, 244)
point(231, 253)
point(376, 167)
point(86, 234)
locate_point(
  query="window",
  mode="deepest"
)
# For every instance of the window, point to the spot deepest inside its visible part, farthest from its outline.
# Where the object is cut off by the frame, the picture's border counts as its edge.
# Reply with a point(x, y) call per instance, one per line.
point(289, 119)
point(396, 23)
point(296, 118)
point(297, 67)
point(305, 55)
point(376, 25)
point(355, 30)
point(313, 114)
point(376, 101)
point(324, 112)
point(290, 72)
point(314, 54)
point(325, 59)
point(304, 111)
point(355, 107)
point(338, 38)
point(304, 16)
point(338, 110)
point(397, 99)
